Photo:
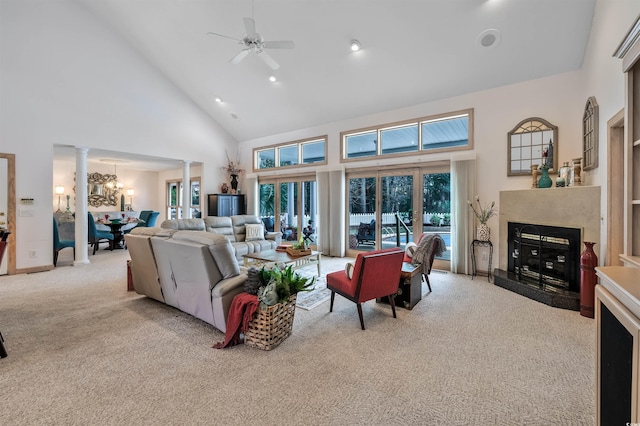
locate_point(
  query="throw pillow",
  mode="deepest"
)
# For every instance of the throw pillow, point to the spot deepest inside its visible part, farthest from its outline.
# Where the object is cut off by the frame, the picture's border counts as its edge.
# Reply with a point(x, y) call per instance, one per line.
point(410, 250)
point(255, 232)
point(348, 269)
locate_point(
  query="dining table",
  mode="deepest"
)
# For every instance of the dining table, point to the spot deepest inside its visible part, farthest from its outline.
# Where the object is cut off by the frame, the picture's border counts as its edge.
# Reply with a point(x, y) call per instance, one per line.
point(116, 227)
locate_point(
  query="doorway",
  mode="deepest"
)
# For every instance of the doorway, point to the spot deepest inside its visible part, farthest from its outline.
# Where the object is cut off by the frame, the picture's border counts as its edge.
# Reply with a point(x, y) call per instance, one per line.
point(391, 208)
point(8, 210)
point(289, 206)
point(615, 189)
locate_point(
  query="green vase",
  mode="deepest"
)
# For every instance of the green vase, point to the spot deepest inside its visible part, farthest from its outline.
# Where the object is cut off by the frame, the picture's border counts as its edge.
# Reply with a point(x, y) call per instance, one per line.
point(545, 181)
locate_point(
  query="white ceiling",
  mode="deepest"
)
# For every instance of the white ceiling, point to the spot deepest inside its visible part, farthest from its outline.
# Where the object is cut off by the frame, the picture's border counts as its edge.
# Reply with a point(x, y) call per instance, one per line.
point(413, 51)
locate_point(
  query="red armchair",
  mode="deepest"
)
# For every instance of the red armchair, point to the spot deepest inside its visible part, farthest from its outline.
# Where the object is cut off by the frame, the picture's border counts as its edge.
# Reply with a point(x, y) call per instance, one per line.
point(375, 274)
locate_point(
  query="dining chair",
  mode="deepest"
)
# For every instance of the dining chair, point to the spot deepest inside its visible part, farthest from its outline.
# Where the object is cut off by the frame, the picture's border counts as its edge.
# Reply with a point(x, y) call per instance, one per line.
point(95, 236)
point(376, 274)
point(59, 244)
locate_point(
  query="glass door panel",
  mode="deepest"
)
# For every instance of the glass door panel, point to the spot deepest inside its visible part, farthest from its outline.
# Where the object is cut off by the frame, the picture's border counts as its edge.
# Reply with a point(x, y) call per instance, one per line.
point(310, 212)
point(436, 208)
point(268, 206)
point(289, 211)
point(362, 213)
point(397, 202)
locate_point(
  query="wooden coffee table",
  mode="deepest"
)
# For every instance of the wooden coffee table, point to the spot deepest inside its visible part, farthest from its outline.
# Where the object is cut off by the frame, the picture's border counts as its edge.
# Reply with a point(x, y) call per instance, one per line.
point(262, 258)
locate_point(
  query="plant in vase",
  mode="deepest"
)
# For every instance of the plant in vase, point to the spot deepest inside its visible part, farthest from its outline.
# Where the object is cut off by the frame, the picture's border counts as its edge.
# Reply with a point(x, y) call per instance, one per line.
point(233, 170)
point(483, 214)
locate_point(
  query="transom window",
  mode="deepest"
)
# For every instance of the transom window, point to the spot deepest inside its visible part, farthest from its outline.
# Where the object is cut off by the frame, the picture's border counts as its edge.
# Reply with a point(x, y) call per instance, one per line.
point(289, 154)
point(445, 132)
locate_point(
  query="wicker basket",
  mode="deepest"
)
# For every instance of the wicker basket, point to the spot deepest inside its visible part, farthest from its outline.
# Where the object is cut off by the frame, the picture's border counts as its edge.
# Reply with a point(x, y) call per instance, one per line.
point(297, 253)
point(271, 325)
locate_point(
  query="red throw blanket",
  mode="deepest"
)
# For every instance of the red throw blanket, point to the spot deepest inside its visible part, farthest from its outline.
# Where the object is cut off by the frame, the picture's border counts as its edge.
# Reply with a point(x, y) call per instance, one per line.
point(241, 311)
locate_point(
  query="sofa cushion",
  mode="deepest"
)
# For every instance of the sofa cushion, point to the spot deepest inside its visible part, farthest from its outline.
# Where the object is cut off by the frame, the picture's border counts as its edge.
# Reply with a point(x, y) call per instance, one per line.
point(254, 232)
point(239, 224)
point(184, 224)
point(220, 249)
point(241, 249)
point(348, 269)
point(220, 225)
point(410, 249)
point(150, 232)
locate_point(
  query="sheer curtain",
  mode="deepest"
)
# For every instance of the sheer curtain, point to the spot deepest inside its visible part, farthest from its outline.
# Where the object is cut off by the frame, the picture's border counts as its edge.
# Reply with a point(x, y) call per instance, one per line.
point(463, 188)
point(252, 194)
point(331, 207)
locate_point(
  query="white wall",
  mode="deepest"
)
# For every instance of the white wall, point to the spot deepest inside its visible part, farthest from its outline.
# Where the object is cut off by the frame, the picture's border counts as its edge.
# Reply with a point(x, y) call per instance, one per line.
point(559, 99)
point(604, 80)
point(67, 79)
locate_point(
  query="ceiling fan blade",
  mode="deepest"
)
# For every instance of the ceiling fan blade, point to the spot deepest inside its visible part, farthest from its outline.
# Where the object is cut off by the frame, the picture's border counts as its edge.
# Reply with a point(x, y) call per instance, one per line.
point(279, 44)
point(268, 60)
point(240, 56)
point(222, 35)
point(250, 27)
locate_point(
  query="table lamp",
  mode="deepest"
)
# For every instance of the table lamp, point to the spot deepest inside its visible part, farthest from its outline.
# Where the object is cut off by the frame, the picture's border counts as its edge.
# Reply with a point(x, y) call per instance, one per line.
point(59, 191)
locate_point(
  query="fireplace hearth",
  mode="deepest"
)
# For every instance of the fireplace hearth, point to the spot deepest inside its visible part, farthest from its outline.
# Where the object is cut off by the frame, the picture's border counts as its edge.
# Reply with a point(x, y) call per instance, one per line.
point(543, 264)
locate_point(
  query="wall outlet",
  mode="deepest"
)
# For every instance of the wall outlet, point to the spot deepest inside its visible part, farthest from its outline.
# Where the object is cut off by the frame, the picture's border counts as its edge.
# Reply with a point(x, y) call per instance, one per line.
point(484, 257)
point(33, 253)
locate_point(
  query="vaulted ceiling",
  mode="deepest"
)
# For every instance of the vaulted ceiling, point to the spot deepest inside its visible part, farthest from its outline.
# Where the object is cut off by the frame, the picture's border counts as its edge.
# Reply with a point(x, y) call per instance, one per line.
point(413, 51)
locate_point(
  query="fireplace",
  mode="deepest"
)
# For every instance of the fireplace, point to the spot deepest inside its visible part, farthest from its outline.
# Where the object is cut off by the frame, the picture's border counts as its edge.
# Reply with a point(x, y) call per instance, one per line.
point(548, 256)
point(543, 264)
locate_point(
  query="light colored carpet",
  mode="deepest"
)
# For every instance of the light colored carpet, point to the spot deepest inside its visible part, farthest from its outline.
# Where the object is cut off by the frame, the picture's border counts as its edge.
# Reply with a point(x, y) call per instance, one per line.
point(82, 350)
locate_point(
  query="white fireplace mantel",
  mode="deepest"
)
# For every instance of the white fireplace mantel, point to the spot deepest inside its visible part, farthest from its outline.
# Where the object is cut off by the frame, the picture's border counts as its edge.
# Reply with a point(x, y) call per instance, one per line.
point(572, 207)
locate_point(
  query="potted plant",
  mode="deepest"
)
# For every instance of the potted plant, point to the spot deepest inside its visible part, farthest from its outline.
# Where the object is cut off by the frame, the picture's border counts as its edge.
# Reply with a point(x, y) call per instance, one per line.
point(483, 214)
point(274, 319)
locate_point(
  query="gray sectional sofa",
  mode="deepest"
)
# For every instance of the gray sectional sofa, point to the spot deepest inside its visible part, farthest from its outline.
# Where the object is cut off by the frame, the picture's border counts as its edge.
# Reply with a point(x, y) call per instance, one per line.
point(194, 271)
point(232, 227)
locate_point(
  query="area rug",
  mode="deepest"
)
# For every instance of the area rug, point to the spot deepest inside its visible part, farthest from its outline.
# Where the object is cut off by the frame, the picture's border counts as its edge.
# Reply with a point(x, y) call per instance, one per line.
point(310, 299)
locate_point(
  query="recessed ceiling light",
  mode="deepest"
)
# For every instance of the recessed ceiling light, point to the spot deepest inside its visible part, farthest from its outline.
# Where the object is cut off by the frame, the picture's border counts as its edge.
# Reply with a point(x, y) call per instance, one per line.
point(272, 78)
point(489, 38)
point(218, 99)
point(355, 45)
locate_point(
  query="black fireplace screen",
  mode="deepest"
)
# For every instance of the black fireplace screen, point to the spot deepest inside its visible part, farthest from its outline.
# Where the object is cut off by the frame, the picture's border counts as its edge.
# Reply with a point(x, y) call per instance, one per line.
point(548, 255)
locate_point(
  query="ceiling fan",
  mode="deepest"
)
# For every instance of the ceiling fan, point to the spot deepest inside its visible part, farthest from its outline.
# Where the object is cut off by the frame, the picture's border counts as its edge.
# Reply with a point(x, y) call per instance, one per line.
point(253, 42)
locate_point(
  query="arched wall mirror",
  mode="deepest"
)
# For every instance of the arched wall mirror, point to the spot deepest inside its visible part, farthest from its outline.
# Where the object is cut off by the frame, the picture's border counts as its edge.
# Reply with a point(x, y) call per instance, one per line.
point(527, 143)
point(102, 190)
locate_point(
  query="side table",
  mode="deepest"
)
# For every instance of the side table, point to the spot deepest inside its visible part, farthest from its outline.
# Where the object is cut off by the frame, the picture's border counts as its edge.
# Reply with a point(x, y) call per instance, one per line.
point(479, 243)
point(409, 289)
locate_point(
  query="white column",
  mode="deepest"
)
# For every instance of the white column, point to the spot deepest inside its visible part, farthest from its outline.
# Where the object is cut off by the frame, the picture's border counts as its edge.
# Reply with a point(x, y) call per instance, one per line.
point(186, 191)
point(82, 230)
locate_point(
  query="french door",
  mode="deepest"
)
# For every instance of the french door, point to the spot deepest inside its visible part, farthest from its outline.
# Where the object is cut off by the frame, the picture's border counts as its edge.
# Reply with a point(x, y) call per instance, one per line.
point(389, 208)
point(174, 199)
point(289, 206)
